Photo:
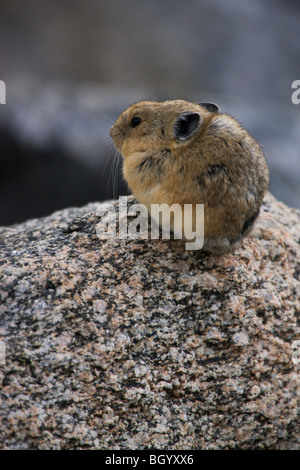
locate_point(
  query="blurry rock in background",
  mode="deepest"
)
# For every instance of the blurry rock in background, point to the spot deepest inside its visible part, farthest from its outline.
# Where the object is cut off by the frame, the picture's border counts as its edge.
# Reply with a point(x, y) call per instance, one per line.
point(71, 67)
point(56, 150)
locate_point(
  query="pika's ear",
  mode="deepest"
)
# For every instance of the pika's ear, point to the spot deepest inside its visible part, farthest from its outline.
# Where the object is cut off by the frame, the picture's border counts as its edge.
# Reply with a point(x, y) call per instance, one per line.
point(185, 125)
point(212, 107)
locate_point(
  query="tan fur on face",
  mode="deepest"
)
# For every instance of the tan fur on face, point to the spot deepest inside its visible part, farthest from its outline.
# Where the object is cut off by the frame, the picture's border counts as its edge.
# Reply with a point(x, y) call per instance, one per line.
point(219, 165)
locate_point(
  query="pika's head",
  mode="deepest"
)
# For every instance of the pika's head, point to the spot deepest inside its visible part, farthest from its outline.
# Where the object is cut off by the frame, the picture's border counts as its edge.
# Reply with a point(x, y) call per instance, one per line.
point(151, 125)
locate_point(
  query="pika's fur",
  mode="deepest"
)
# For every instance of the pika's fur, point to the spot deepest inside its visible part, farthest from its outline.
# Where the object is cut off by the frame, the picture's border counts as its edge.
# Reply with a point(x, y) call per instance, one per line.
point(188, 153)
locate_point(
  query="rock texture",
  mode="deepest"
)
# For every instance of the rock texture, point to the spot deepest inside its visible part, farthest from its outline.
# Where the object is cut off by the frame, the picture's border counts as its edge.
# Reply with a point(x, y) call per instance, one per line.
point(139, 344)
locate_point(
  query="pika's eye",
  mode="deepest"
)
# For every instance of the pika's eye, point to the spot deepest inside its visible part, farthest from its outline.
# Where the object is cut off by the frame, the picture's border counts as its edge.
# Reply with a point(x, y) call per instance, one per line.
point(135, 121)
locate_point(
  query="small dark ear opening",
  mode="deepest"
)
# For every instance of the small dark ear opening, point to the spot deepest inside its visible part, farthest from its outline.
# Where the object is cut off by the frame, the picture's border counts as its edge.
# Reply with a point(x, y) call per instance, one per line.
point(185, 125)
point(212, 107)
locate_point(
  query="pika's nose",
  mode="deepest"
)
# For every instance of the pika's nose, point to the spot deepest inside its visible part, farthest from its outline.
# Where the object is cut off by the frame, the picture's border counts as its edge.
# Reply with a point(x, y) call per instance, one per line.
point(111, 132)
point(116, 132)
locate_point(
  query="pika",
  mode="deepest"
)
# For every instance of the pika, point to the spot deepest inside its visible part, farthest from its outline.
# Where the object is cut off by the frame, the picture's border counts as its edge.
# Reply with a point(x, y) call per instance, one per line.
point(179, 152)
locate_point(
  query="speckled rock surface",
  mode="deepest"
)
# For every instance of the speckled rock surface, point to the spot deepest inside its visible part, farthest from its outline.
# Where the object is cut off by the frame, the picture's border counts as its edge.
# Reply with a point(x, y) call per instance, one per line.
point(139, 344)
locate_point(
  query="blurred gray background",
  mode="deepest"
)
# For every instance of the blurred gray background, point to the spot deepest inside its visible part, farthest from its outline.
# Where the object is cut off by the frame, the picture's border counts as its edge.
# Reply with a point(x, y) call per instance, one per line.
point(71, 67)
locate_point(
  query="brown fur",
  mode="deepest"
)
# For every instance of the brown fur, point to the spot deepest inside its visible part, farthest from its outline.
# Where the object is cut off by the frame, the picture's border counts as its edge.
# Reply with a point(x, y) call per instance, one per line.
point(219, 165)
